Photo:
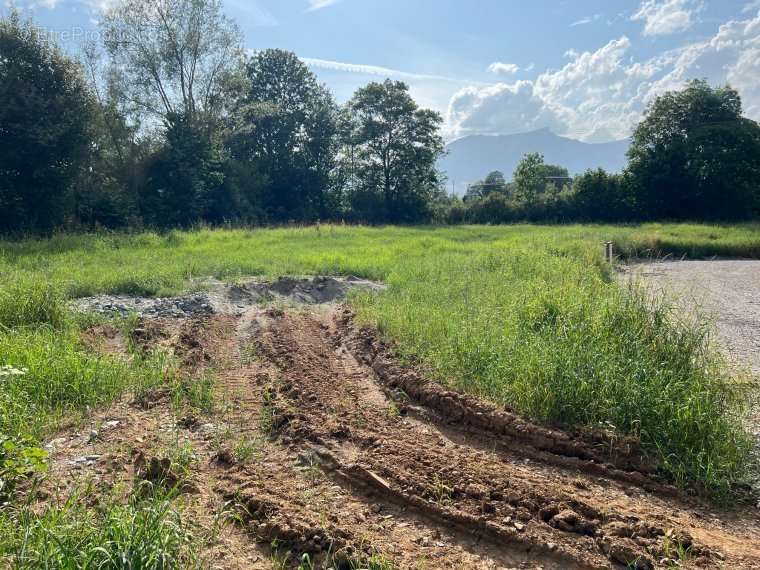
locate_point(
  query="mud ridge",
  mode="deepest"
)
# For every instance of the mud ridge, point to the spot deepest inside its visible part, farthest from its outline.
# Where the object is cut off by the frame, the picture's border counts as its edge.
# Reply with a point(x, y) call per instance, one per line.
point(323, 395)
point(621, 459)
point(364, 479)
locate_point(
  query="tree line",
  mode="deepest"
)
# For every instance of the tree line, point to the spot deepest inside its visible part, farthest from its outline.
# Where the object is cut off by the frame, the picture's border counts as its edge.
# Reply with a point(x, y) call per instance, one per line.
point(692, 157)
point(168, 122)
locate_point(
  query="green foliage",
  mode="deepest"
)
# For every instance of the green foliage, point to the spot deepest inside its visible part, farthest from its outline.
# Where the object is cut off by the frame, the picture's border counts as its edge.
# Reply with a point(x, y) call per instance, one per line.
point(146, 531)
point(525, 315)
point(529, 178)
point(187, 178)
point(391, 148)
point(286, 124)
point(172, 57)
point(63, 378)
point(494, 182)
point(20, 458)
point(45, 110)
point(694, 156)
point(28, 302)
point(600, 196)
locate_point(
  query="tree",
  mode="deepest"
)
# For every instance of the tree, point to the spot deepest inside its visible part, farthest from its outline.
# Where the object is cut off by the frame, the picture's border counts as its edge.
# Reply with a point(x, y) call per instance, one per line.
point(600, 196)
point(186, 178)
point(45, 111)
point(493, 182)
point(286, 124)
point(529, 178)
point(694, 155)
point(393, 147)
point(172, 55)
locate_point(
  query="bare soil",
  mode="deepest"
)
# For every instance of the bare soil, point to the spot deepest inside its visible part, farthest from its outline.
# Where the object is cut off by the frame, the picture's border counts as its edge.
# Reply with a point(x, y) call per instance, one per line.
point(325, 443)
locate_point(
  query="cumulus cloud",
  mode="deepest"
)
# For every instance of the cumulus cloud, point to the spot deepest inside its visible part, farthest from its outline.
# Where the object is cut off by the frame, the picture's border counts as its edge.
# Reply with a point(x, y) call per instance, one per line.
point(600, 95)
point(666, 17)
point(506, 68)
point(500, 108)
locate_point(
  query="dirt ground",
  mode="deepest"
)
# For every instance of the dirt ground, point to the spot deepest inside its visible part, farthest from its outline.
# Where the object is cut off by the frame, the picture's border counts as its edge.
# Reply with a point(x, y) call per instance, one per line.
point(323, 442)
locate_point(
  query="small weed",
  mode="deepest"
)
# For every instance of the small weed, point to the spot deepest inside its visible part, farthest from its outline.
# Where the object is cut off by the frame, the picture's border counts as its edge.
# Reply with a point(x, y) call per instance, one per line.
point(392, 410)
point(246, 451)
point(676, 555)
point(197, 393)
point(440, 492)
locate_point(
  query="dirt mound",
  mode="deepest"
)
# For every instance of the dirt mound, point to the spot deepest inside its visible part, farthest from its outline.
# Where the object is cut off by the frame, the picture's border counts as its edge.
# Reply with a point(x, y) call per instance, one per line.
point(230, 299)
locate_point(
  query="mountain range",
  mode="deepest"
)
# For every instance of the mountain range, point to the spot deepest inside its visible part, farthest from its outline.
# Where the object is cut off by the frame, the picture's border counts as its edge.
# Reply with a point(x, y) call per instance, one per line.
point(471, 158)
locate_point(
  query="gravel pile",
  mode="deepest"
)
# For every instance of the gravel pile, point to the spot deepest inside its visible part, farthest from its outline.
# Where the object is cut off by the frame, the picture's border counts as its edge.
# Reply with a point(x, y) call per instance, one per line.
point(233, 299)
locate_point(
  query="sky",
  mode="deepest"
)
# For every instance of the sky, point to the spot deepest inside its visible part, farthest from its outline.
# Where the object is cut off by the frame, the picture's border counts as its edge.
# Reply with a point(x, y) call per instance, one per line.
point(585, 69)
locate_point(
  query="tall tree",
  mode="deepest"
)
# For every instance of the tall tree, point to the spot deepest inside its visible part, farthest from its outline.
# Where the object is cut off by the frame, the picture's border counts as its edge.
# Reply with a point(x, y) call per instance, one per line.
point(394, 146)
point(286, 124)
point(530, 178)
point(172, 55)
point(45, 111)
point(695, 156)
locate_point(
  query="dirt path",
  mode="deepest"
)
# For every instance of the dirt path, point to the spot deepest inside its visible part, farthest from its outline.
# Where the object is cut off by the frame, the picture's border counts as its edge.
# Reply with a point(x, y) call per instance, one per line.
point(726, 291)
point(358, 457)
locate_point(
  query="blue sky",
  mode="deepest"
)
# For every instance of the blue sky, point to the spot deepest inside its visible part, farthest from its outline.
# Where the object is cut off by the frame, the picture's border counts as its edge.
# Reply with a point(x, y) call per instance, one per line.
point(583, 68)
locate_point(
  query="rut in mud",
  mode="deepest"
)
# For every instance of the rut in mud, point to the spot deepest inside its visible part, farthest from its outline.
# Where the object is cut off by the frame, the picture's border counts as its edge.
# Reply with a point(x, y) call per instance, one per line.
point(367, 458)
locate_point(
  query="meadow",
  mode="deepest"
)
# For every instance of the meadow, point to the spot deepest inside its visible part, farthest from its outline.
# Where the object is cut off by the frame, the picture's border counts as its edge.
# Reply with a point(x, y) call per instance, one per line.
point(529, 316)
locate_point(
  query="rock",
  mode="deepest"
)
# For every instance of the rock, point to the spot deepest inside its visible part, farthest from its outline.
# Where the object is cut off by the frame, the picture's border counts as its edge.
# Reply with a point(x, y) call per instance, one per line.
point(55, 443)
point(628, 557)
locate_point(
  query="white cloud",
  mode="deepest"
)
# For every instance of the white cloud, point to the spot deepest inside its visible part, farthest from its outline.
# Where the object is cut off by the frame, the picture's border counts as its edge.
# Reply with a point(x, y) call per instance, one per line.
point(500, 108)
point(506, 68)
point(586, 20)
point(751, 6)
point(663, 17)
point(366, 69)
point(601, 95)
point(319, 4)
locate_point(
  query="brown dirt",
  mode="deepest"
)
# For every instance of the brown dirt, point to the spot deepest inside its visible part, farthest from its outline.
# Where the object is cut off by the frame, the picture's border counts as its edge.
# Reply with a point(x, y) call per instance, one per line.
point(325, 443)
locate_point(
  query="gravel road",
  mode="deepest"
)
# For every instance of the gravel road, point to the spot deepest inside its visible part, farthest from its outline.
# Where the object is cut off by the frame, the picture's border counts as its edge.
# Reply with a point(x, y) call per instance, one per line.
point(726, 291)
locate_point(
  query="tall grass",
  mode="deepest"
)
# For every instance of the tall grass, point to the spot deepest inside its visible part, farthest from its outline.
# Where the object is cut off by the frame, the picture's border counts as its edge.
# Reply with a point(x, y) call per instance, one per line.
point(525, 315)
point(539, 330)
point(63, 379)
point(143, 532)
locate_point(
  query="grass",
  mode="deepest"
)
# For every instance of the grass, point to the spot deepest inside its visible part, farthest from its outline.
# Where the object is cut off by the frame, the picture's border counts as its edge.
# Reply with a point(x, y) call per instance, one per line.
point(524, 315)
point(144, 531)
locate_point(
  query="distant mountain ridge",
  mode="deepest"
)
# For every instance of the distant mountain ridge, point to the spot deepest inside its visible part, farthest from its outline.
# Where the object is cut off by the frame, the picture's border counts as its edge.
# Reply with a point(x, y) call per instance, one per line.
point(472, 157)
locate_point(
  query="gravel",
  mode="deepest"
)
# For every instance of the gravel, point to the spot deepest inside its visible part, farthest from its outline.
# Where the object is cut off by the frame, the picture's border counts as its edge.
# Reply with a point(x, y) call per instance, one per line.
point(232, 299)
point(726, 292)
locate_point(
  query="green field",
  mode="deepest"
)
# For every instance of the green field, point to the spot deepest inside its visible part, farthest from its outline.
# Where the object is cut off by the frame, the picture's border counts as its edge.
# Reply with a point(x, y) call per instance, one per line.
point(529, 316)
